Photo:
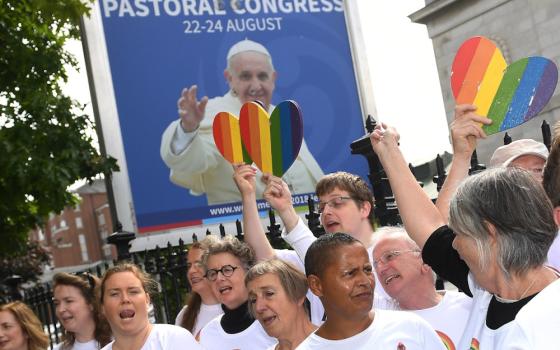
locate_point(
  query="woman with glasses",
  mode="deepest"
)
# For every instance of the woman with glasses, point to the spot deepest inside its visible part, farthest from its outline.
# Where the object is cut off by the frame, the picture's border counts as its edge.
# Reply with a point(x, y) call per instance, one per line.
point(227, 261)
point(77, 308)
point(202, 305)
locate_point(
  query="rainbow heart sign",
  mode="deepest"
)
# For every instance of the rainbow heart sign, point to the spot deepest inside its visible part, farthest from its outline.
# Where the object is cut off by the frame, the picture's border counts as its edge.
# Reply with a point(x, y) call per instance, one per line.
point(227, 138)
point(509, 95)
point(273, 142)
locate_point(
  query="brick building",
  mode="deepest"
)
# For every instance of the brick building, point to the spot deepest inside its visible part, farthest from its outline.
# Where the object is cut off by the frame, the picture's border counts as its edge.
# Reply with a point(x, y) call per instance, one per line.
point(76, 237)
point(520, 28)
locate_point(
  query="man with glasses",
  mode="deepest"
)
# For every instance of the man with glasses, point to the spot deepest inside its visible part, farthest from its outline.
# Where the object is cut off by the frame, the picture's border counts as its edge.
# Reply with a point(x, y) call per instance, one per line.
point(526, 154)
point(345, 203)
point(398, 263)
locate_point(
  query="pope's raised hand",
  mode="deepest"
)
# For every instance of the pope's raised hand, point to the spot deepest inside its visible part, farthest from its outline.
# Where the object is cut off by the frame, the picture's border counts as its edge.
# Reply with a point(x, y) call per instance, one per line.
point(191, 111)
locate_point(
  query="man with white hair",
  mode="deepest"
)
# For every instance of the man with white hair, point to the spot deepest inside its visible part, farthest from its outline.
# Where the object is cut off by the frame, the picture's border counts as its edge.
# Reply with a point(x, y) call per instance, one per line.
point(405, 277)
point(187, 145)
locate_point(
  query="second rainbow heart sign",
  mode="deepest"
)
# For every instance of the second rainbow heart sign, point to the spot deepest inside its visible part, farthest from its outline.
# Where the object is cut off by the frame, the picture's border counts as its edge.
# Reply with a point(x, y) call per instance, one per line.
point(272, 143)
point(509, 95)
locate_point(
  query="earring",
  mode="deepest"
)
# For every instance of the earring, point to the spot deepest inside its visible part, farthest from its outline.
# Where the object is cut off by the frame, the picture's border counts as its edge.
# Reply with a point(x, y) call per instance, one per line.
point(233, 92)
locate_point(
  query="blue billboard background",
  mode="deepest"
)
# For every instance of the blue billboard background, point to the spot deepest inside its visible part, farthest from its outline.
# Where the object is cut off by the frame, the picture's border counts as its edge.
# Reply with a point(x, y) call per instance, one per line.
point(157, 48)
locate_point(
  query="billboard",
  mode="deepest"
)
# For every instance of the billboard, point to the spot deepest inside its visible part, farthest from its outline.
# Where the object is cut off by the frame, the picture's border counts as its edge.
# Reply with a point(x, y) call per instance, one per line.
point(144, 53)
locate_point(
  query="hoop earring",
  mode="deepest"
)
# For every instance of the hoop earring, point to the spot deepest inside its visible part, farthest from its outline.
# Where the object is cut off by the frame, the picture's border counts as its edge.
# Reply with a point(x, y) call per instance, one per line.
point(233, 92)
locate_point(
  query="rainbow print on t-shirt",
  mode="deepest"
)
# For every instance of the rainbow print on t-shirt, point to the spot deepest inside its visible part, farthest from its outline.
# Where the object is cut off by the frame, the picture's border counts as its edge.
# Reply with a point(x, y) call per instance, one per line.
point(475, 345)
point(449, 345)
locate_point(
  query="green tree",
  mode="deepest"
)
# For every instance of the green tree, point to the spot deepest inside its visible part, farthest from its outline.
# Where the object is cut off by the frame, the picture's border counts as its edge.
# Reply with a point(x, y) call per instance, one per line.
point(28, 266)
point(44, 145)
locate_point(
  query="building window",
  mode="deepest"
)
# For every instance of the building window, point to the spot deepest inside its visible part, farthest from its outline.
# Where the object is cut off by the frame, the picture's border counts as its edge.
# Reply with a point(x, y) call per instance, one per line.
point(79, 223)
point(101, 219)
point(62, 223)
point(83, 248)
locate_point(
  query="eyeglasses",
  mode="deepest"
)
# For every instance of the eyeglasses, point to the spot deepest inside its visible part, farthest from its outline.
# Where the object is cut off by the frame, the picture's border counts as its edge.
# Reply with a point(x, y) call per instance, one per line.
point(391, 255)
point(334, 203)
point(226, 270)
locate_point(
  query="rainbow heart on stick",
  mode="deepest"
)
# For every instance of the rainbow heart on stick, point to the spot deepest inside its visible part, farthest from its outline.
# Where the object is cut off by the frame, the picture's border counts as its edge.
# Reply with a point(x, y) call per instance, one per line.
point(272, 143)
point(509, 95)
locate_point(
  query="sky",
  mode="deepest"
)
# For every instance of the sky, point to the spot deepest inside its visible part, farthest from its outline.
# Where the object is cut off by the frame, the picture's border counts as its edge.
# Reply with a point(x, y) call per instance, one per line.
point(403, 77)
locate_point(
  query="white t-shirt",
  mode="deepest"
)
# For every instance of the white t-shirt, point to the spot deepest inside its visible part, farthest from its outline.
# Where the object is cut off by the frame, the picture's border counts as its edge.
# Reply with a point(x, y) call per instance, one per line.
point(167, 337)
point(90, 345)
point(536, 325)
point(449, 317)
point(206, 314)
point(554, 253)
point(389, 330)
point(213, 337)
point(301, 237)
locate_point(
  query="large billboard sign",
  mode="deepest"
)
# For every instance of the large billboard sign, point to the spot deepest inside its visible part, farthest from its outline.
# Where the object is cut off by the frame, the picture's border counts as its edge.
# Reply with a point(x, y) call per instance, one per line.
point(154, 61)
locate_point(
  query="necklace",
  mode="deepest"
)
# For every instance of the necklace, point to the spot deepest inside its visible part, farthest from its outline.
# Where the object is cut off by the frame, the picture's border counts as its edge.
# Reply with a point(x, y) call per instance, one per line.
point(509, 301)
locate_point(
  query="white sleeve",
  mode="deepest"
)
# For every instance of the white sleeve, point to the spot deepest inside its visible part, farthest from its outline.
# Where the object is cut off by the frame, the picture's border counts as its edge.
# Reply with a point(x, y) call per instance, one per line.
point(181, 139)
point(179, 318)
point(189, 166)
point(178, 338)
point(291, 257)
point(300, 238)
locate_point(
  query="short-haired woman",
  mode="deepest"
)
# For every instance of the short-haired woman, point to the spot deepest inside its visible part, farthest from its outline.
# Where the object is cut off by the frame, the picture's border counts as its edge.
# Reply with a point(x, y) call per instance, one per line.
point(277, 293)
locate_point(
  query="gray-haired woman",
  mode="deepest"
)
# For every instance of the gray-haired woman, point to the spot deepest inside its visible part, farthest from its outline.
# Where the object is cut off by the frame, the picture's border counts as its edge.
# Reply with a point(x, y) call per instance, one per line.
point(500, 229)
point(276, 299)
